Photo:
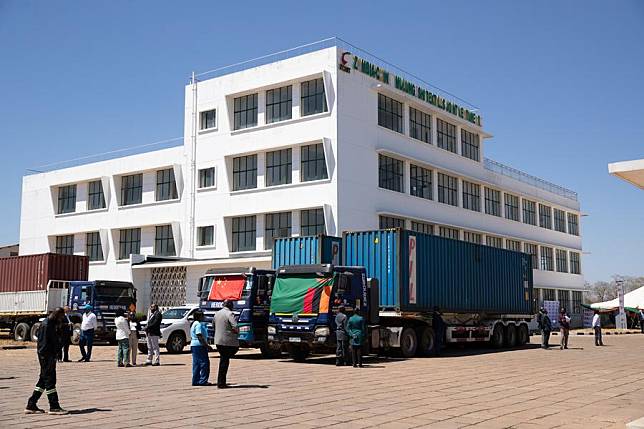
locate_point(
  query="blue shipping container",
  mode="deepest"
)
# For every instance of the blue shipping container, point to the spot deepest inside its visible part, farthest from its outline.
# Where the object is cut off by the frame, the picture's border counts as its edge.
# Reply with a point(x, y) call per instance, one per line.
point(312, 249)
point(418, 271)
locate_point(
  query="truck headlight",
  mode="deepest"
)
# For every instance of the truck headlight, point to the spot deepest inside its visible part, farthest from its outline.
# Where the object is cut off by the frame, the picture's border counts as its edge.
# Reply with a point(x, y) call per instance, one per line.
point(244, 328)
point(272, 330)
point(322, 331)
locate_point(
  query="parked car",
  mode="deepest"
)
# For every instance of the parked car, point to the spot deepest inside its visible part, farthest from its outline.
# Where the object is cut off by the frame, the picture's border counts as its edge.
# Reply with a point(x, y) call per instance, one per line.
point(175, 329)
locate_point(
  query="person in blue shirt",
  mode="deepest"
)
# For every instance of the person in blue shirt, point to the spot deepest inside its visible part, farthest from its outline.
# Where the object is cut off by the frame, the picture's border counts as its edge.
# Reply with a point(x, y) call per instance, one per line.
point(357, 333)
point(200, 348)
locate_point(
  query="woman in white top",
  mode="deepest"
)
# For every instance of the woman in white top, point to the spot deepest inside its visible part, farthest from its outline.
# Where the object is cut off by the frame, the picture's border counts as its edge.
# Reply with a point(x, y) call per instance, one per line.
point(122, 338)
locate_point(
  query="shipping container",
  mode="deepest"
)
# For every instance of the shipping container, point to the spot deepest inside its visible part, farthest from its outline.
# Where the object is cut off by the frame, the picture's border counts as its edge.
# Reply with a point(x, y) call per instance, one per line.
point(33, 272)
point(307, 250)
point(417, 272)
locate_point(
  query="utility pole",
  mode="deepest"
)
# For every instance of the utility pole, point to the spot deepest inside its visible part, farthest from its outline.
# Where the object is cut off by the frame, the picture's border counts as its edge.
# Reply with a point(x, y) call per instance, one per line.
point(193, 166)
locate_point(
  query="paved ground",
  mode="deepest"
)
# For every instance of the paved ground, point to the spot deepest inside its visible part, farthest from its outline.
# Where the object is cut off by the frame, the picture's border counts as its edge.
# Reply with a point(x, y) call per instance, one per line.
point(585, 387)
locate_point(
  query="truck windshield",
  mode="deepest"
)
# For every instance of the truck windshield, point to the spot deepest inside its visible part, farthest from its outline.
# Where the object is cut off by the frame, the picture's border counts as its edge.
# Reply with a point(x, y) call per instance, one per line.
point(118, 292)
point(301, 294)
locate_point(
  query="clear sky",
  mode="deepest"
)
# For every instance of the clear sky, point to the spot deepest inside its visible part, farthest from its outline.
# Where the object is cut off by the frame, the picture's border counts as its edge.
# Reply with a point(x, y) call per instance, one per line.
point(559, 84)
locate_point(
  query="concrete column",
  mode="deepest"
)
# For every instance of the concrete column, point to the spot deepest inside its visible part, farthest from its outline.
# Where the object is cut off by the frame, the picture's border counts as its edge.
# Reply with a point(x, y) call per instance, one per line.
point(459, 187)
point(260, 222)
point(434, 134)
point(296, 97)
point(296, 226)
point(458, 140)
point(502, 203)
point(261, 108)
point(435, 184)
point(296, 163)
point(261, 170)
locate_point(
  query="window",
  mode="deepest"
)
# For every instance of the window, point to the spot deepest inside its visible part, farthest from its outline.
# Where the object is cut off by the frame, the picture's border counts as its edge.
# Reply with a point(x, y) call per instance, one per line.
point(575, 267)
point(206, 235)
point(207, 177)
point(390, 113)
point(511, 207)
point(531, 249)
point(66, 199)
point(313, 99)
point(390, 173)
point(243, 233)
point(494, 241)
point(445, 135)
point(279, 104)
point(131, 189)
point(492, 202)
point(562, 261)
point(546, 259)
point(312, 222)
point(278, 167)
point(529, 212)
point(563, 296)
point(423, 227)
point(447, 189)
point(470, 145)
point(208, 119)
point(447, 232)
point(277, 225)
point(65, 244)
point(245, 111)
point(164, 241)
point(573, 224)
point(313, 163)
point(513, 245)
point(420, 125)
point(420, 182)
point(95, 196)
point(549, 295)
point(472, 237)
point(391, 222)
point(166, 185)
point(244, 172)
point(93, 248)
point(560, 220)
point(129, 242)
point(545, 216)
point(577, 299)
point(471, 196)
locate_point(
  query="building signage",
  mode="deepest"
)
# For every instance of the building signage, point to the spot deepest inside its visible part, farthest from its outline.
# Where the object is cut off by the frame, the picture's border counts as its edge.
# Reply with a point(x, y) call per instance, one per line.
point(349, 61)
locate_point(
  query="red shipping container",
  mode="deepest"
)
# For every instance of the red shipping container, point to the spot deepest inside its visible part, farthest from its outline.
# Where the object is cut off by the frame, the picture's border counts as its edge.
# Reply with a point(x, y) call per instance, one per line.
point(33, 272)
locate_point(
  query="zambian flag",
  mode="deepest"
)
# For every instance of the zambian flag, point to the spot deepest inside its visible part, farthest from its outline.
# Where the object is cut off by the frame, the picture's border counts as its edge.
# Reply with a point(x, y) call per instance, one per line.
point(301, 295)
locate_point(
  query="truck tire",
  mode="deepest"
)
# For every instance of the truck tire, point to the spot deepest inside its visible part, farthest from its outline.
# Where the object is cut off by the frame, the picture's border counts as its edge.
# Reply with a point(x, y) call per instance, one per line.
point(427, 342)
point(143, 348)
point(408, 343)
point(22, 332)
point(76, 331)
point(524, 335)
point(176, 342)
point(497, 336)
point(297, 353)
point(270, 350)
point(511, 335)
point(34, 332)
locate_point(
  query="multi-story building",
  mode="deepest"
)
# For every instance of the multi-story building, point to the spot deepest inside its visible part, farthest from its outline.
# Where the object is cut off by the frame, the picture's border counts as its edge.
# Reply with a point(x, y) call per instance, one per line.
point(320, 139)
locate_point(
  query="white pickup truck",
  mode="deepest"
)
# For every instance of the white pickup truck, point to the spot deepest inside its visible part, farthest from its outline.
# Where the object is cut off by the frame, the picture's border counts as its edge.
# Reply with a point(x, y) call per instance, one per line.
point(175, 329)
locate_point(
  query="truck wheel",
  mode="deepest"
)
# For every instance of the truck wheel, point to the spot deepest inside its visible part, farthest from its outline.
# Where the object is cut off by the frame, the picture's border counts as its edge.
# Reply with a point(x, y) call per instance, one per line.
point(524, 336)
point(427, 342)
point(76, 332)
point(511, 335)
point(175, 343)
point(143, 349)
point(497, 336)
point(408, 342)
point(34, 331)
point(270, 350)
point(297, 353)
point(22, 332)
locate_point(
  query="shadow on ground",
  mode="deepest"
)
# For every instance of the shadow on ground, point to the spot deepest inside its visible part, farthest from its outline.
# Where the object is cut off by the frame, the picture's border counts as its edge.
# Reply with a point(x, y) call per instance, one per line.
point(89, 411)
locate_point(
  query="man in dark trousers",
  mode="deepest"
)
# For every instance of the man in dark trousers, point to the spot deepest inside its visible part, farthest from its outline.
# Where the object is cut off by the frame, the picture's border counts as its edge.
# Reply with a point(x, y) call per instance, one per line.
point(226, 340)
point(546, 326)
point(439, 330)
point(47, 350)
point(66, 330)
point(341, 350)
point(153, 332)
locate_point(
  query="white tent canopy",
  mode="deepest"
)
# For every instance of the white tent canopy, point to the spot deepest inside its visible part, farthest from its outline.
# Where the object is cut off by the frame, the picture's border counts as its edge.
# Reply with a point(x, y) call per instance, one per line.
point(633, 299)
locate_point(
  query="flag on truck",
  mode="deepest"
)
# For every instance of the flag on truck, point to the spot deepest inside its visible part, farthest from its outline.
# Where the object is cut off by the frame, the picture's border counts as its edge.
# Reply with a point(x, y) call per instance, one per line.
point(301, 295)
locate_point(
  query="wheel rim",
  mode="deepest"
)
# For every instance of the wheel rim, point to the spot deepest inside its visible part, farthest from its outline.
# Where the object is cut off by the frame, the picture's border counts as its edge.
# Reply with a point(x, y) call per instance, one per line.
point(409, 343)
point(176, 344)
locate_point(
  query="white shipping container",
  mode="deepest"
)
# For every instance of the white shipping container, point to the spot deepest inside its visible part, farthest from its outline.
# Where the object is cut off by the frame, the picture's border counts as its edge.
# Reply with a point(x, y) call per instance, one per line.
point(39, 302)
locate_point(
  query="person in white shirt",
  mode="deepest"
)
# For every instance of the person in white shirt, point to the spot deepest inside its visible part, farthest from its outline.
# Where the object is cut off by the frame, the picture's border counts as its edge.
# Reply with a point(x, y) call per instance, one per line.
point(597, 327)
point(122, 338)
point(88, 326)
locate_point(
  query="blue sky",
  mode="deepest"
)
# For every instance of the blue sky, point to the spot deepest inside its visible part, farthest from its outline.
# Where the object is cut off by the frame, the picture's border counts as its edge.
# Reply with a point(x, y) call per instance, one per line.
point(559, 84)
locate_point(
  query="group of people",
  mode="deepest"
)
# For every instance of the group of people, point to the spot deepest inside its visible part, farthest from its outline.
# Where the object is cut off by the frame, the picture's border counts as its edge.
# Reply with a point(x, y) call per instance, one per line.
point(350, 334)
point(545, 325)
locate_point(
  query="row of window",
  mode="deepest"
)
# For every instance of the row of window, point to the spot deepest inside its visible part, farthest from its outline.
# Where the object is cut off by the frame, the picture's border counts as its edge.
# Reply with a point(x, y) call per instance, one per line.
point(279, 106)
point(562, 261)
point(391, 175)
point(390, 115)
point(573, 306)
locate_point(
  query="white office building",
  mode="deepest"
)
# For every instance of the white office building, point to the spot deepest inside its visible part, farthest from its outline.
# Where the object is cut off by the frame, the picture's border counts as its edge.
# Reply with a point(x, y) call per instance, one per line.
point(320, 139)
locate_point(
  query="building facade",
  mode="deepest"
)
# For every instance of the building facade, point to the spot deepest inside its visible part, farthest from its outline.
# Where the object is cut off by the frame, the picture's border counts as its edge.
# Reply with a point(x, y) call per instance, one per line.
point(321, 140)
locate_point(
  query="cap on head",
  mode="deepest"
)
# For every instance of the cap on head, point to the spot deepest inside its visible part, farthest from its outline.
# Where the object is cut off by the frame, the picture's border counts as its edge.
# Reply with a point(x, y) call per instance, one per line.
point(88, 307)
point(228, 304)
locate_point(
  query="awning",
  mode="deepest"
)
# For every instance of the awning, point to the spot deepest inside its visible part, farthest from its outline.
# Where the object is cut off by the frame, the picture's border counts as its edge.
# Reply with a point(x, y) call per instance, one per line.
point(633, 301)
point(251, 261)
point(631, 171)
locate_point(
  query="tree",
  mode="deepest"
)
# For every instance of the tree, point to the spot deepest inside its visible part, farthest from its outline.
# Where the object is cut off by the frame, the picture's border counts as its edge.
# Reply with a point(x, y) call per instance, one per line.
point(605, 291)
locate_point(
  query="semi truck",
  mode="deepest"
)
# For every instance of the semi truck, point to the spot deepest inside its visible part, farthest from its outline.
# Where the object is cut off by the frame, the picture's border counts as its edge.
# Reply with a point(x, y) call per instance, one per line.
point(33, 285)
point(398, 279)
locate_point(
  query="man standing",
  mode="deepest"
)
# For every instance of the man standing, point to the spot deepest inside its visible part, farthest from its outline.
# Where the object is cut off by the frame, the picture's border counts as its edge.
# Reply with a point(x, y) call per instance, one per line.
point(48, 348)
point(546, 327)
point(122, 338)
point(66, 331)
point(597, 327)
point(564, 323)
point(226, 340)
point(439, 330)
point(199, 348)
point(153, 331)
point(642, 320)
point(341, 349)
point(357, 332)
point(88, 326)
